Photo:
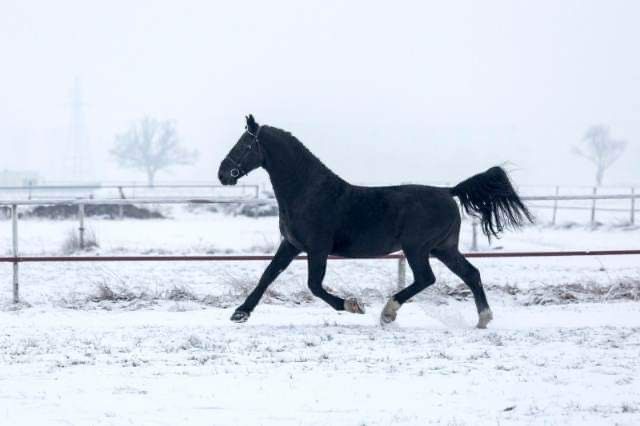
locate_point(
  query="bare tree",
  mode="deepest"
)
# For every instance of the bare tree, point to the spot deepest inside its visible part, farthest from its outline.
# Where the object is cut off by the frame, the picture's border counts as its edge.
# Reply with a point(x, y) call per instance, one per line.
point(600, 149)
point(151, 145)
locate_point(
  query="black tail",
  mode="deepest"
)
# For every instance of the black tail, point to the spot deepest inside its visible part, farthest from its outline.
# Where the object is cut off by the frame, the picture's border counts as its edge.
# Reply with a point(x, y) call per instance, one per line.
point(491, 197)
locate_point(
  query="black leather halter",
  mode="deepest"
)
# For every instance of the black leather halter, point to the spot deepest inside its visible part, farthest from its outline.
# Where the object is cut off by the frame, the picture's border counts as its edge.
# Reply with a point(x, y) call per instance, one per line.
point(238, 170)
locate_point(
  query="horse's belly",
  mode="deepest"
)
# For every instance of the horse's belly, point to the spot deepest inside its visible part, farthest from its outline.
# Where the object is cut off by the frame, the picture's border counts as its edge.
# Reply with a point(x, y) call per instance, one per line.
point(363, 248)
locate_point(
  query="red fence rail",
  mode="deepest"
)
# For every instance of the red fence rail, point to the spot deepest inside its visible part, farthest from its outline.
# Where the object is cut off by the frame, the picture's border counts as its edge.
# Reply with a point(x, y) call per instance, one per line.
point(15, 260)
point(236, 258)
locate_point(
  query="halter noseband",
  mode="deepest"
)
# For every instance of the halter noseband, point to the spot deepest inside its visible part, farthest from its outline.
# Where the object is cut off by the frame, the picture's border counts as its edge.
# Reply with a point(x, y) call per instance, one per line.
point(238, 171)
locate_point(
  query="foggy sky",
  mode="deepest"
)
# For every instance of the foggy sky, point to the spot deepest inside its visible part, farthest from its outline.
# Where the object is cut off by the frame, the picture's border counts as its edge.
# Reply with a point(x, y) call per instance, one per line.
point(382, 92)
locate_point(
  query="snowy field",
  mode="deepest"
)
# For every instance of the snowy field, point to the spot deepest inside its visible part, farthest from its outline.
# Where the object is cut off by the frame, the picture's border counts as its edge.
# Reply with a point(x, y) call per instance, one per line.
point(567, 364)
point(151, 343)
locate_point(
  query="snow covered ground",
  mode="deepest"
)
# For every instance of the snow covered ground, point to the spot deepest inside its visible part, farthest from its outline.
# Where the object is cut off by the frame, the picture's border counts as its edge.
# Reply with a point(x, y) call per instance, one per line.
point(567, 364)
point(151, 343)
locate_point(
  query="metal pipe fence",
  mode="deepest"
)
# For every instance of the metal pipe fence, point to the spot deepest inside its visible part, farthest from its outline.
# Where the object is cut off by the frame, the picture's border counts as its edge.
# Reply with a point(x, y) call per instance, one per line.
point(30, 191)
point(593, 208)
point(399, 257)
point(124, 190)
point(16, 259)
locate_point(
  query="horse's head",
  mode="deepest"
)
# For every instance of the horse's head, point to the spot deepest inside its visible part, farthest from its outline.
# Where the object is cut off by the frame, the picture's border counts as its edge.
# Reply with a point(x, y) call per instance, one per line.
point(245, 156)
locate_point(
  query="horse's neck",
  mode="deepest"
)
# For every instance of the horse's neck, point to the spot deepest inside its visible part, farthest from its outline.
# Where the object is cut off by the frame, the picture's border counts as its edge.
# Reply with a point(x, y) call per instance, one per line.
point(295, 173)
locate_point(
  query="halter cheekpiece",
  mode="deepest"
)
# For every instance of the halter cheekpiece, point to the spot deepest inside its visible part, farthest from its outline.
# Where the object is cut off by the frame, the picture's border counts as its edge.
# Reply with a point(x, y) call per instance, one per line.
point(238, 171)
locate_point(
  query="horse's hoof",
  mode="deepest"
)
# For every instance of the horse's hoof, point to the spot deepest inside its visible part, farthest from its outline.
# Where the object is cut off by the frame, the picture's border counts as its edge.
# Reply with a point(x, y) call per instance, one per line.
point(389, 312)
point(240, 316)
point(484, 318)
point(351, 304)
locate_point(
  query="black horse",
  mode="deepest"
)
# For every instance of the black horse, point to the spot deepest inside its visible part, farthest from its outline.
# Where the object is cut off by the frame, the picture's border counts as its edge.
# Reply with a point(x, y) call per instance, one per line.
point(322, 215)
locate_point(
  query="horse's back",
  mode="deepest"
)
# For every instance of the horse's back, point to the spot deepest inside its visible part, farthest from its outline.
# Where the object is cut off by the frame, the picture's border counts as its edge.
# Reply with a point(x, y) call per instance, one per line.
point(436, 203)
point(378, 220)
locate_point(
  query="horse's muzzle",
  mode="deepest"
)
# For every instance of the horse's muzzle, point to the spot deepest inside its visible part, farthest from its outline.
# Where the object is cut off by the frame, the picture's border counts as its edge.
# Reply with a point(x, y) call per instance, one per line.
point(228, 180)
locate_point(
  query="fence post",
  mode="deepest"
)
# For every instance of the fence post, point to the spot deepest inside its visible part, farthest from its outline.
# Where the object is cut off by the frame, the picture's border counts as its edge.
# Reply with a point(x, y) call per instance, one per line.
point(593, 207)
point(402, 271)
point(81, 227)
point(555, 206)
point(632, 219)
point(14, 233)
point(121, 206)
point(474, 235)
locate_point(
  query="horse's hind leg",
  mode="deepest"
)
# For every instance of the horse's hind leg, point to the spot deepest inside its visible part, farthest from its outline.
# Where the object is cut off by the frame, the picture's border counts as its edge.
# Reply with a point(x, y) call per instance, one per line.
point(460, 266)
point(418, 260)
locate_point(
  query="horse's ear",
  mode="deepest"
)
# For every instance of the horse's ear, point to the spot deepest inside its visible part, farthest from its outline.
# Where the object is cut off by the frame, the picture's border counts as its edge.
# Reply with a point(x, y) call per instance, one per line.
point(252, 126)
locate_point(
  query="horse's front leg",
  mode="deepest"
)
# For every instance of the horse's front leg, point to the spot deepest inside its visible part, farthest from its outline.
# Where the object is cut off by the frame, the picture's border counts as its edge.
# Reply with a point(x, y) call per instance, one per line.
point(283, 257)
point(317, 264)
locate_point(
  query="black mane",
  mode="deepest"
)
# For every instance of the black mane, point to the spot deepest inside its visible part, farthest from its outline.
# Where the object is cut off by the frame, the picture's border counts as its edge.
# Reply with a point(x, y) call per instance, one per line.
point(305, 155)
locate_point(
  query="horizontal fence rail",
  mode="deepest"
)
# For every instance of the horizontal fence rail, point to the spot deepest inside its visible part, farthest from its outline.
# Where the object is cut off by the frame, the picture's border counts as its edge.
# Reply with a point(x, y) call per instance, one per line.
point(16, 259)
point(141, 200)
point(252, 200)
point(402, 262)
point(40, 191)
point(54, 190)
point(579, 197)
point(600, 209)
point(118, 186)
point(240, 258)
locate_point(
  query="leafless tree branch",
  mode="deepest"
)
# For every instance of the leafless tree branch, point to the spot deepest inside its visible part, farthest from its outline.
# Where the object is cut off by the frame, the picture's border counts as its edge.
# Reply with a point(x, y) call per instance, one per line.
point(599, 148)
point(151, 145)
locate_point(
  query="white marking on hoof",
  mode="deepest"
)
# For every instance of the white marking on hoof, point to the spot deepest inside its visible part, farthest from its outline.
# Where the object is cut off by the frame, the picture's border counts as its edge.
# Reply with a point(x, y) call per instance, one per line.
point(353, 305)
point(484, 318)
point(389, 312)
